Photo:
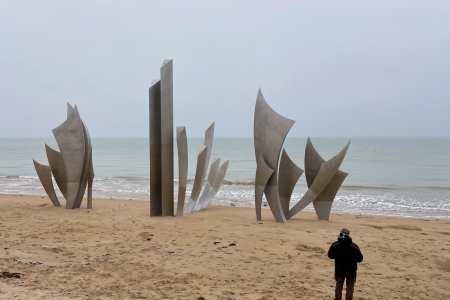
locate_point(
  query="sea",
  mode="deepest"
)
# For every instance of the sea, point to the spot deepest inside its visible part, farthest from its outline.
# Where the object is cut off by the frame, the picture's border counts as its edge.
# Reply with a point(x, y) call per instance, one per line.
point(393, 176)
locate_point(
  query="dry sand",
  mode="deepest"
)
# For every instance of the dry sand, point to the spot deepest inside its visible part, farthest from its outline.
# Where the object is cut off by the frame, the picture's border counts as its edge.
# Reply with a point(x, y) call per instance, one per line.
point(116, 251)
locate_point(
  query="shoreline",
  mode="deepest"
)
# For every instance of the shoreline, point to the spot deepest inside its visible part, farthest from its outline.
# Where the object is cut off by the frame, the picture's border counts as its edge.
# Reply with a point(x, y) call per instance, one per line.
point(117, 251)
point(307, 210)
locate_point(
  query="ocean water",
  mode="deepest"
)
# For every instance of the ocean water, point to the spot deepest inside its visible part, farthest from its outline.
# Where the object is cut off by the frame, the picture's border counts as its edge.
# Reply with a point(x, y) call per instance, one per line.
point(407, 177)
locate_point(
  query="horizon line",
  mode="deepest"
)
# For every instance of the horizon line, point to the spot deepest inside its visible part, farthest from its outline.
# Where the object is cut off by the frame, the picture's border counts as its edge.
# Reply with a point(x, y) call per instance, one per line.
point(306, 136)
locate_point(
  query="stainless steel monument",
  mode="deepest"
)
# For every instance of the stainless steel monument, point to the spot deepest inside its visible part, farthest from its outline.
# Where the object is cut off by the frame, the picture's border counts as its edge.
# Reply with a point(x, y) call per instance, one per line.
point(161, 155)
point(72, 165)
point(277, 175)
point(161, 143)
point(201, 197)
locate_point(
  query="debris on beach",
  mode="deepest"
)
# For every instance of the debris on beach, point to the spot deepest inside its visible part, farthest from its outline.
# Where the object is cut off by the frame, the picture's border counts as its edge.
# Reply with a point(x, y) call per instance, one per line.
point(10, 275)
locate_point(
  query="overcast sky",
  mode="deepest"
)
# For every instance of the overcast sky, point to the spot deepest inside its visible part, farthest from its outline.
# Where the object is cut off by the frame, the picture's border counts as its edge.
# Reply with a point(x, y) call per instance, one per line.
point(339, 68)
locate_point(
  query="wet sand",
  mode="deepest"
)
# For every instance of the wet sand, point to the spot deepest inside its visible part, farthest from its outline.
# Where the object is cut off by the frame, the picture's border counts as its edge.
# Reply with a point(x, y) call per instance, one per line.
point(116, 251)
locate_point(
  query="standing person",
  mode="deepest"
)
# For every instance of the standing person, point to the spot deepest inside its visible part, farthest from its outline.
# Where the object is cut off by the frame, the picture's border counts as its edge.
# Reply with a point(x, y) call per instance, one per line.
point(346, 255)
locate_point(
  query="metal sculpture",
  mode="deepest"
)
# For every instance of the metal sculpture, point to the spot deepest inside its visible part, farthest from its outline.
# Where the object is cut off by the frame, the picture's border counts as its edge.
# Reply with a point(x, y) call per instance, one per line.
point(215, 179)
point(276, 178)
point(323, 178)
point(161, 154)
point(161, 143)
point(213, 169)
point(324, 201)
point(270, 131)
point(202, 166)
point(198, 179)
point(45, 176)
point(288, 177)
point(72, 165)
point(182, 167)
point(201, 198)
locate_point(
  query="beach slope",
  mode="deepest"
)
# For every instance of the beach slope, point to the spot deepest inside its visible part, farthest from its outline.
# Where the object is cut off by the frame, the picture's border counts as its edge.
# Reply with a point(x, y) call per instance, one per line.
point(116, 251)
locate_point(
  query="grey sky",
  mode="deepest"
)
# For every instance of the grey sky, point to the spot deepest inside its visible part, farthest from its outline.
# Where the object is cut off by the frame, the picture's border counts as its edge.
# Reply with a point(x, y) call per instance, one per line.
point(340, 68)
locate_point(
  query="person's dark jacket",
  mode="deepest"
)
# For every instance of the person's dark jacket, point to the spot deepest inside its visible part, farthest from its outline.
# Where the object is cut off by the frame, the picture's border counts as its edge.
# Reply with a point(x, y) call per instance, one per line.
point(346, 255)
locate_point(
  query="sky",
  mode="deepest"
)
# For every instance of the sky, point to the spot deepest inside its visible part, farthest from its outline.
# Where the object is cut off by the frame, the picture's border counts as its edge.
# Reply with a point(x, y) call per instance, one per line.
point(339, 68)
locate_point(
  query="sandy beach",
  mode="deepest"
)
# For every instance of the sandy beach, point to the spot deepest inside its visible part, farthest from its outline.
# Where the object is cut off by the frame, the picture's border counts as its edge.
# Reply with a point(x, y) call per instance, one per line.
point(116, 251)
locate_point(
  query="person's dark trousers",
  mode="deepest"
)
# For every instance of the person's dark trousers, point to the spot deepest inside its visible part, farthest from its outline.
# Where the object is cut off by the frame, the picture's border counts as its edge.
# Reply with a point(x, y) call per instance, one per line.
point(350, 285)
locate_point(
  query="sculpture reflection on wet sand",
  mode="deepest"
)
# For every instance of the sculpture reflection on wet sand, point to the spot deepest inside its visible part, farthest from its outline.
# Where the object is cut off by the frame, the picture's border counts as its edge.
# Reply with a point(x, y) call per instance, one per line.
point(161, 155)
point(71, 166)
point(276, 177)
